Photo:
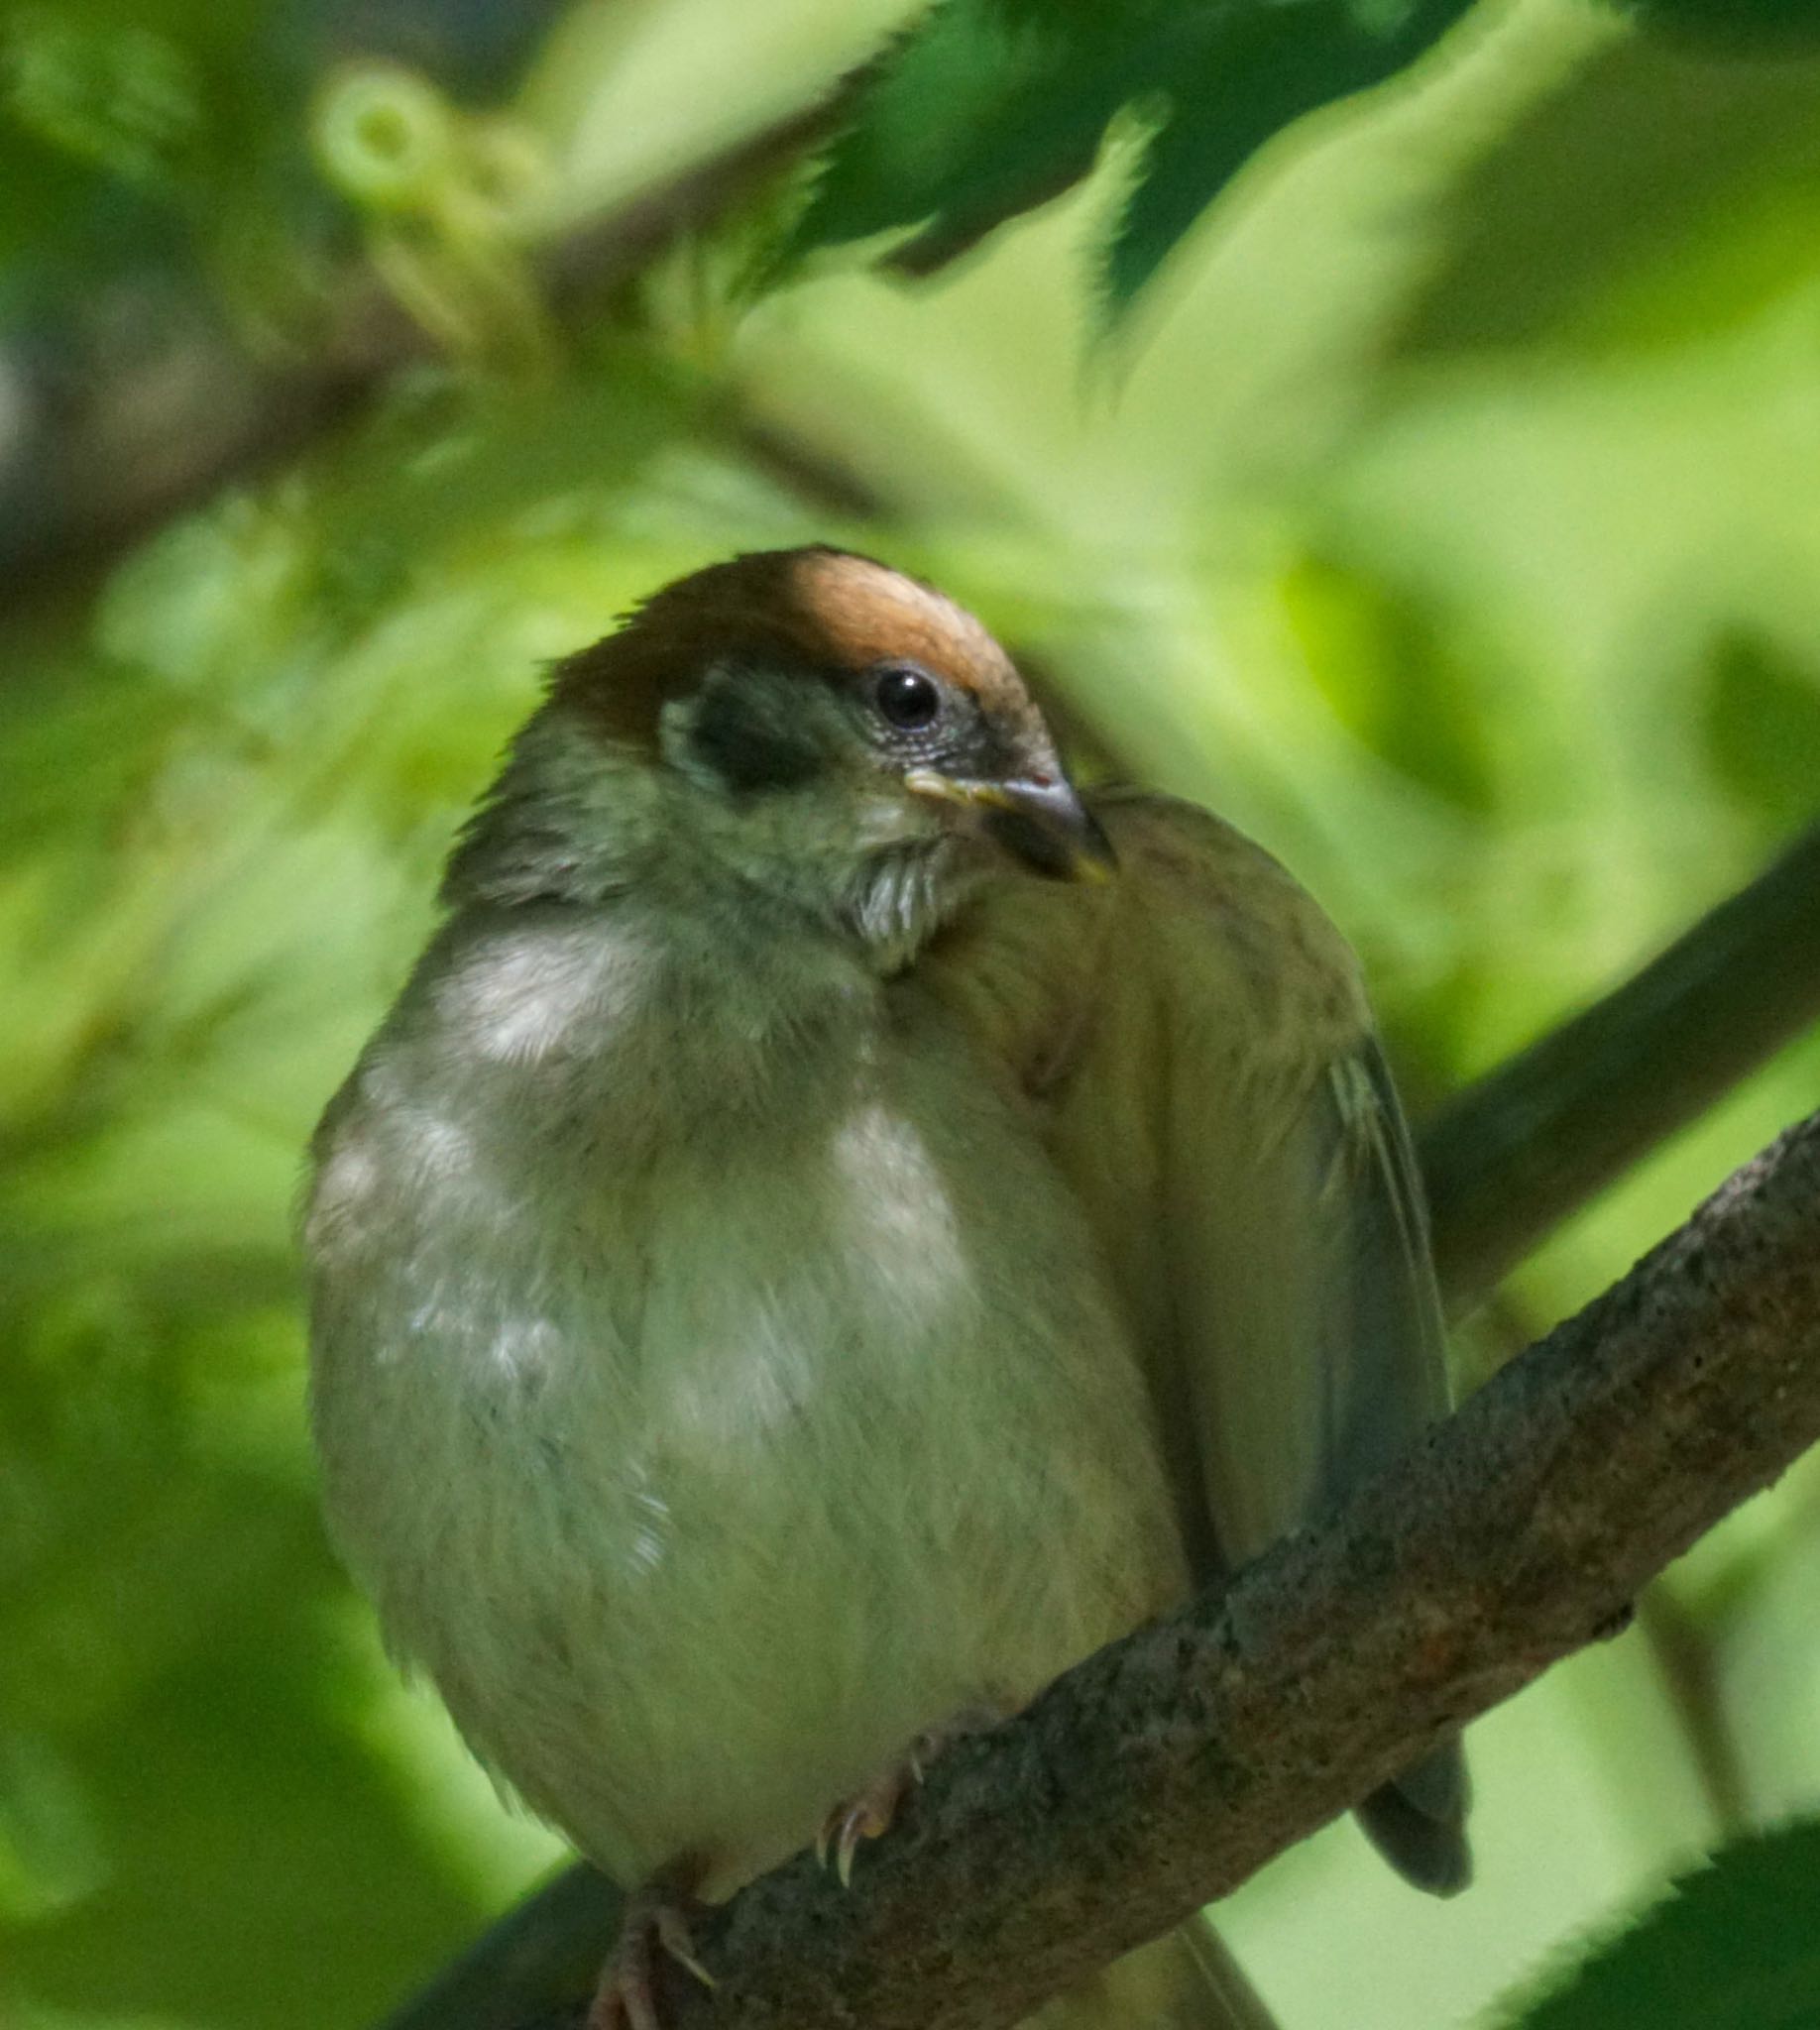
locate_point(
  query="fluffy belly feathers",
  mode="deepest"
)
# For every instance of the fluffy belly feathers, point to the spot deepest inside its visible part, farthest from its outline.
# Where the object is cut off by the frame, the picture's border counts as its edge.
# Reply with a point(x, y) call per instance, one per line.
point(736, 1480)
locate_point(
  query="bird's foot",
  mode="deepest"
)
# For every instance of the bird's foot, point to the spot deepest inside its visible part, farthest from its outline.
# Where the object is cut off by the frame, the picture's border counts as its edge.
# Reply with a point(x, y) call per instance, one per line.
point(869, 1812)
point(656, 1921)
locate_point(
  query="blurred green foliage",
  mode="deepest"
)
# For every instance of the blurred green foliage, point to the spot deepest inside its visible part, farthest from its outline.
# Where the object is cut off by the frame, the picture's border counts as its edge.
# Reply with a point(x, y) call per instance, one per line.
point(1452, 527)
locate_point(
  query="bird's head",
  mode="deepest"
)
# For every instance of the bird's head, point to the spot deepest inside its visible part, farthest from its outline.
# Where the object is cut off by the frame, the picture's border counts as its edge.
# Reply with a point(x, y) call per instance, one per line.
point(804, 728)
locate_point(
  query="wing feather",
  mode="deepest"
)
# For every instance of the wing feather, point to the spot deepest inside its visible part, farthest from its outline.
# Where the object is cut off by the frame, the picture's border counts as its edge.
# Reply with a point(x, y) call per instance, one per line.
point(1208, 1077)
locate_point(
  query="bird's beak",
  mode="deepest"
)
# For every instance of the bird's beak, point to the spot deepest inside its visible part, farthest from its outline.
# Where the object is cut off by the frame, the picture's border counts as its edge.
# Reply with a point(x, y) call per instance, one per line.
point(1043, 824)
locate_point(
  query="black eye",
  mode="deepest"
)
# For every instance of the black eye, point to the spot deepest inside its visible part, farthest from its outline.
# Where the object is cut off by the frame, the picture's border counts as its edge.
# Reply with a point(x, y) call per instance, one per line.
point(907, 698)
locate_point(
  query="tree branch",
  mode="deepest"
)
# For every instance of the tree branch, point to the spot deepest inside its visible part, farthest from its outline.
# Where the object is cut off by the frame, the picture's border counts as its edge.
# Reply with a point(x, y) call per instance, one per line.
point(1514, 1154)
point(1163, 1772)
point(117, 446)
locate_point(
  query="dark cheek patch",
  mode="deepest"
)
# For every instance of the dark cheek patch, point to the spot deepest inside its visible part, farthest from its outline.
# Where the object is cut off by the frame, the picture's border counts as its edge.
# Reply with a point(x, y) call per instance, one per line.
point(739, 740)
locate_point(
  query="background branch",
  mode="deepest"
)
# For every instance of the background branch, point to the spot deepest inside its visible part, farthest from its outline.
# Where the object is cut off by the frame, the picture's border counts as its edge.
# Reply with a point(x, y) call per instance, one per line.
point(1175, 1763)
point(1514, 1154)
point(129, 446)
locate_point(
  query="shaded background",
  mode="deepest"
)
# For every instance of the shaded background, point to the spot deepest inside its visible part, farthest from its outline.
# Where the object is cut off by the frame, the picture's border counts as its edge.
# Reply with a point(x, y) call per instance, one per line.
point(1446, 515)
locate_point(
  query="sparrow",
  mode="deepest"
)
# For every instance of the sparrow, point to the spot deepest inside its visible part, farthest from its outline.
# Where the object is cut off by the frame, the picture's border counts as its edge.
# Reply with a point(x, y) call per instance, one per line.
point(837, 1226)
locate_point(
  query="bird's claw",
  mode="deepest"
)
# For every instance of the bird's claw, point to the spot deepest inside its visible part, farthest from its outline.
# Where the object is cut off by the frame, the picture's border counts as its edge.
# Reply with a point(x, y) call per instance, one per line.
point(870, 1812)
point(656, 1919)
point(864, 1817)
point(676, 1939)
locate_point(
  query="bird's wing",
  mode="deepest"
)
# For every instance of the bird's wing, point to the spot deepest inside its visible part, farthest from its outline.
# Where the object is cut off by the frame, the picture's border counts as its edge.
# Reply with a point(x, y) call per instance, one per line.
point(1202, 1056)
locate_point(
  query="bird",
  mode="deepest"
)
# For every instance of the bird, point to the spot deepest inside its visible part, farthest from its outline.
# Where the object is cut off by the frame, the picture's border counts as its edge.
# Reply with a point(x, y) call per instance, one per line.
point(840, 1224)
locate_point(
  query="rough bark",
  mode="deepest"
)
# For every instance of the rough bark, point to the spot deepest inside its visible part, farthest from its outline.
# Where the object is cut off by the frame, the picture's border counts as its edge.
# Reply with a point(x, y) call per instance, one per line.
point(1163, 1772)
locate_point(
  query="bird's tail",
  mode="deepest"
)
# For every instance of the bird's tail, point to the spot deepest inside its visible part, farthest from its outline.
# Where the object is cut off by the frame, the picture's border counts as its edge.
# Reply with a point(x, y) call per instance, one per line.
point(1185, 1981)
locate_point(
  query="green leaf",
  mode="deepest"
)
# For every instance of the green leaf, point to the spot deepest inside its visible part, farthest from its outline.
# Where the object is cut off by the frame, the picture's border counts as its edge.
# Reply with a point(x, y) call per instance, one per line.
point(1236, 80)
point(973, 117)
point(989, 107)
point(1738, 1942)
